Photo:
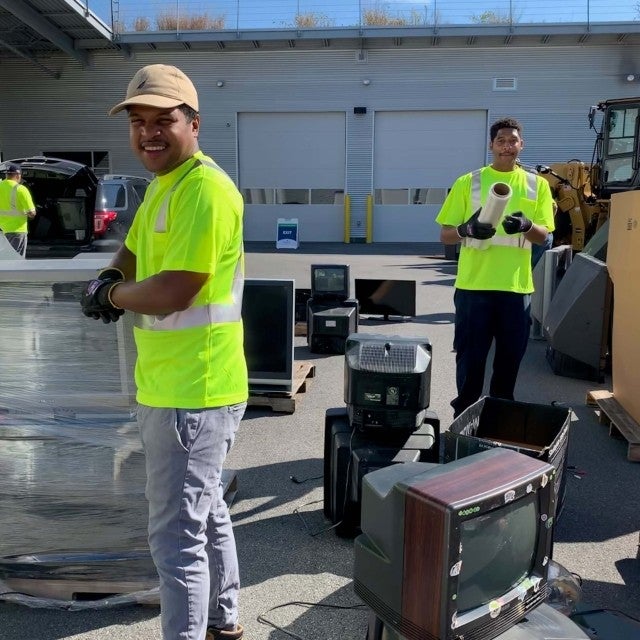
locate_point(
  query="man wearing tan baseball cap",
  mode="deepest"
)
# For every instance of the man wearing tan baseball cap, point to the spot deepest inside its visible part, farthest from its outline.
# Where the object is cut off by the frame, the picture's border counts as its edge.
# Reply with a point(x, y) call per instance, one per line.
point(159, 85)
point(181, 270)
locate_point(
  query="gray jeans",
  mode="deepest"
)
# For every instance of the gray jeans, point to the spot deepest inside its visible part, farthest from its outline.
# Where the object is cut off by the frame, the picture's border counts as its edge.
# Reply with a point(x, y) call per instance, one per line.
point(190, 534)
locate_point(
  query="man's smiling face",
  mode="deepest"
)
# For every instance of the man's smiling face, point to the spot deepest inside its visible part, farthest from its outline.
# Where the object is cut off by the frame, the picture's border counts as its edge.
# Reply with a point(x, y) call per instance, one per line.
point(162, 138)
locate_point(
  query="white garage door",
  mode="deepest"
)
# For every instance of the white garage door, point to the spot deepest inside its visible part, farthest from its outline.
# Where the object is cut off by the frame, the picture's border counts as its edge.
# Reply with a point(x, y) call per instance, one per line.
point(292, 165)
point(417, 157)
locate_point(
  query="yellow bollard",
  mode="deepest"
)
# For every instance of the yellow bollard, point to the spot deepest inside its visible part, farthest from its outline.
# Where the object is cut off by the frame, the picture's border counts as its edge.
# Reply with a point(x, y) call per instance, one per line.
point(347, 218)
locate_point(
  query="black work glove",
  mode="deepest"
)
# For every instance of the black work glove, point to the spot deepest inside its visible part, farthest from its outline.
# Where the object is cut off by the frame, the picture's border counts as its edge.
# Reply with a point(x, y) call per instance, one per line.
point(96, 297)
point(516, 222)
point(474, 229)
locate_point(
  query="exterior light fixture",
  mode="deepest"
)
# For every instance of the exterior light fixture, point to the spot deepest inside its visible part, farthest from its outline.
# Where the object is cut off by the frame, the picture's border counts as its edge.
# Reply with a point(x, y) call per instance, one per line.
point(366, 82)
point(631, 77)
point(220, 83)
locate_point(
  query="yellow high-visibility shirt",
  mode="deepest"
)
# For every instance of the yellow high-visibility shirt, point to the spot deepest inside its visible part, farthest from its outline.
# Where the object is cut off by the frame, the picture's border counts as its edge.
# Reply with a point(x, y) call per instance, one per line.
point(195, 358)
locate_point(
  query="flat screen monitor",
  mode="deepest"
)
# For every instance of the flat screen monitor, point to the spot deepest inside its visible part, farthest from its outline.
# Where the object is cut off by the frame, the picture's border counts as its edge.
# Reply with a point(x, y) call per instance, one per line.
point(457, 550)
point(330, 281)
point(386, 297)
point(268, 318)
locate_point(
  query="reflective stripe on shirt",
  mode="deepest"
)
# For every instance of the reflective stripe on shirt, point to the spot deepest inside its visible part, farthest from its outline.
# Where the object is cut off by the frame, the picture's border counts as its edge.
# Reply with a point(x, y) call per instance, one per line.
point(201, 316)
point(163, 209)
point(13, 211)
point(516, 240)
point(213, 313)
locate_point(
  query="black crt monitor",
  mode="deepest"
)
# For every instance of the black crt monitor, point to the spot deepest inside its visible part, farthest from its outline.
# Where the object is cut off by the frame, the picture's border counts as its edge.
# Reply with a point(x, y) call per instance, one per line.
point(268, 317)
point(330, 281)
point(386, 297)
point(577, 321)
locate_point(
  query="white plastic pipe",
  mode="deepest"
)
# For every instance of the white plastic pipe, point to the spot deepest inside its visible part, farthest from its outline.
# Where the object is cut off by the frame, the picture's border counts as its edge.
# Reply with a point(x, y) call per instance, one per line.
point(497, 200)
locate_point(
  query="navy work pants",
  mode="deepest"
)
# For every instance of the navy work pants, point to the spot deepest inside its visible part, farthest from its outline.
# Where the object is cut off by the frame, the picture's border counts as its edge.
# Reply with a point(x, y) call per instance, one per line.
point(481, 318)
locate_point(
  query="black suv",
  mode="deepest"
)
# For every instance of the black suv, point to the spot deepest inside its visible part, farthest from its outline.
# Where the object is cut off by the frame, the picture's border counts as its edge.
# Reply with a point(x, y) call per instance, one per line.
point(75, 210)
point(64, 194)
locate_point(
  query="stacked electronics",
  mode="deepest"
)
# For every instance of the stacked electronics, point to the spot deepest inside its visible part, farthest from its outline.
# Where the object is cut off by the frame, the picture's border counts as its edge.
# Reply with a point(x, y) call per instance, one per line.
point(331, 314)
point(386, 419)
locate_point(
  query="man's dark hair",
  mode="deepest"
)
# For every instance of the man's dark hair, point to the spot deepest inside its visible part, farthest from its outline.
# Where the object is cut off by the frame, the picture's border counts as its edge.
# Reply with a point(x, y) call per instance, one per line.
point(189, 113)
point(504, 123)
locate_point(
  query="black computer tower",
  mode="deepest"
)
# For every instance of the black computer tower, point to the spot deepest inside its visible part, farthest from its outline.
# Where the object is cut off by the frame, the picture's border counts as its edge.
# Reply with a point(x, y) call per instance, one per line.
point(328, 328)
point(350, 453)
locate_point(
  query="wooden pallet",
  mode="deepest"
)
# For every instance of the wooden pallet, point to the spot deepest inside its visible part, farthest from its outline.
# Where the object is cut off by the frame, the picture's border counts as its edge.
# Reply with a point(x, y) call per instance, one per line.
point(620, 423)
point(300, 328)
point(285, 402)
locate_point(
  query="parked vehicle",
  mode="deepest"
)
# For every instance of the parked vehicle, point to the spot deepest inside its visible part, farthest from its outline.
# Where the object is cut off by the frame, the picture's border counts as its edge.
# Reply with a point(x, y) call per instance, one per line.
point(64, 194)
point(117, 201)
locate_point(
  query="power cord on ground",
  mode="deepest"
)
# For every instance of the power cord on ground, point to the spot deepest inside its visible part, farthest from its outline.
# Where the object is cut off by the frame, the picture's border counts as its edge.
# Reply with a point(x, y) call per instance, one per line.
point(262, 619)
point(344, 503)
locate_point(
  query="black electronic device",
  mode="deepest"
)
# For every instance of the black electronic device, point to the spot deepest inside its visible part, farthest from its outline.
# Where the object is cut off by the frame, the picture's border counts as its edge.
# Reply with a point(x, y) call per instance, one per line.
point(268, 318)
point(349, 454)
point(457, 550)
point(578, 319)
point(387, 381)
point(386, 297)
point(328, 328)
point(301, 299)
point(330, 281)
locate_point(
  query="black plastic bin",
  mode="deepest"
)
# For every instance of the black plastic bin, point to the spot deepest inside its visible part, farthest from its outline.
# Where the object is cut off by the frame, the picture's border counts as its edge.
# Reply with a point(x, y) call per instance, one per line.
point(537, 430)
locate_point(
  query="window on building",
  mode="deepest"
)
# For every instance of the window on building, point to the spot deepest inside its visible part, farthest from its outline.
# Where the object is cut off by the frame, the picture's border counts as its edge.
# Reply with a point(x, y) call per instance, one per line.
point(411, 195)
point(293, 196)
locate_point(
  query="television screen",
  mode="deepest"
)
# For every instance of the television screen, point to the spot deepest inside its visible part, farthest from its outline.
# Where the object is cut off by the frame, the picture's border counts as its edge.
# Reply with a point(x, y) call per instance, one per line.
point(330, 280)
point(459, 549)
point(268, 318)
point(497, 552)
point(386, 297)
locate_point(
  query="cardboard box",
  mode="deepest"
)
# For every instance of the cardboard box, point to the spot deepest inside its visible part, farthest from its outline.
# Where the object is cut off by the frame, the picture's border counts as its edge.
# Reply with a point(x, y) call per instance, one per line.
point(537, 430)
point(623, 262)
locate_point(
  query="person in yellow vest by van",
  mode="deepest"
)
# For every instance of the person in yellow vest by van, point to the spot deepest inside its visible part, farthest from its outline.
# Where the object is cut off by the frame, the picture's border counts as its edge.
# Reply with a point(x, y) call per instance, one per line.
point(16, 209)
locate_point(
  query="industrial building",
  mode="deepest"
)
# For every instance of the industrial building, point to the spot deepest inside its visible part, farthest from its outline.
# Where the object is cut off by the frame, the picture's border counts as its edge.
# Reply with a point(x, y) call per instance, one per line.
point(355, 132)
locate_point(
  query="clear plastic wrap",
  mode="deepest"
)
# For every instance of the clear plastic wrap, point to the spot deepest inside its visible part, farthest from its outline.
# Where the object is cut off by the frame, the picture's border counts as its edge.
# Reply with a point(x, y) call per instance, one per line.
point(74, 527)
point(565, 589)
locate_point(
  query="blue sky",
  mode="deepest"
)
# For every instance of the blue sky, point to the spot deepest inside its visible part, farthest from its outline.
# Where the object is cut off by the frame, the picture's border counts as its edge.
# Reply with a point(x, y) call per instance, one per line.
point(274, 14)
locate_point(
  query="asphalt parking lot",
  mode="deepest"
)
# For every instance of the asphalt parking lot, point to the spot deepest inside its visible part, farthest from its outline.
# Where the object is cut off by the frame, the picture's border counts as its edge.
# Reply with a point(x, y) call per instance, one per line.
point(296, 573)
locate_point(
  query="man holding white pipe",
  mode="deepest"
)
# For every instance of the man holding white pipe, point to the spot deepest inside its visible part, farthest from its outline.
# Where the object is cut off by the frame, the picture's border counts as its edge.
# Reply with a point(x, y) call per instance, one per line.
point(494, 283)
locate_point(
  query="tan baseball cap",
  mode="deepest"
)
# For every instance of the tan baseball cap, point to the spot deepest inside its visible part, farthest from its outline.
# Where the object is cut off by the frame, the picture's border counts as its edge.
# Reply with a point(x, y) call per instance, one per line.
point(159, 85)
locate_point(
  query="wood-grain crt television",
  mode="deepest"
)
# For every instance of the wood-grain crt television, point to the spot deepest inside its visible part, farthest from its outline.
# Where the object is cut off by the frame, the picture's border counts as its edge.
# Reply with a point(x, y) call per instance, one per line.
point(457, 550)
point(268, 307)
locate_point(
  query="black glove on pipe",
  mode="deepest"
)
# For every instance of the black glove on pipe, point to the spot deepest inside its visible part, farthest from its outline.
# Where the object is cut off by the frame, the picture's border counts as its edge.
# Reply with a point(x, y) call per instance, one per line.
point(516, 222)
point(474, 229)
